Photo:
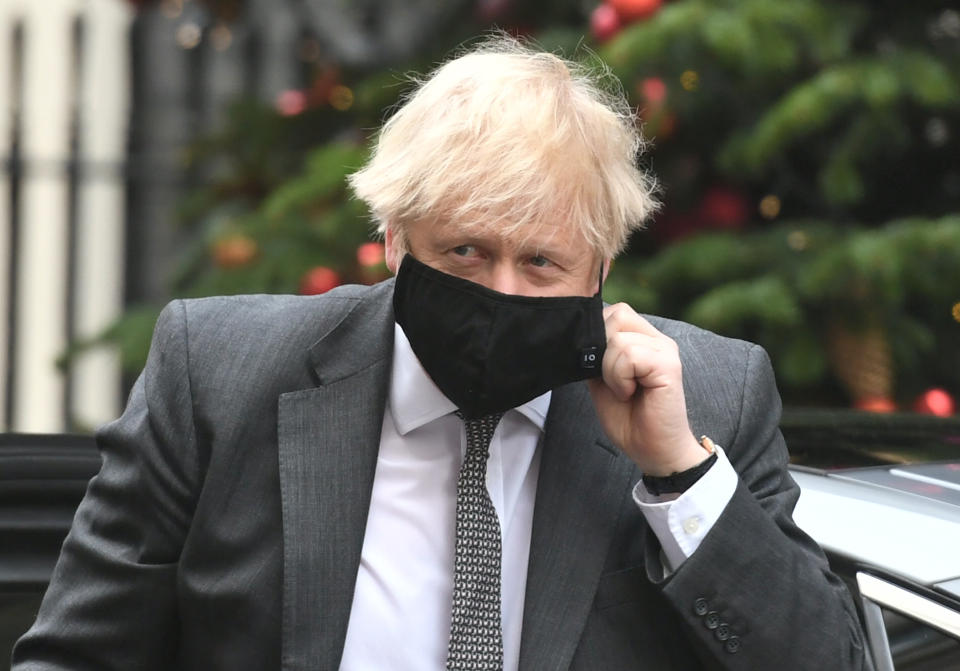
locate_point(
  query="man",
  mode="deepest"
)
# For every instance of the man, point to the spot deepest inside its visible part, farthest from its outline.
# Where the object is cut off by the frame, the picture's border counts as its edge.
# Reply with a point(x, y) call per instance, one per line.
point(294, 481)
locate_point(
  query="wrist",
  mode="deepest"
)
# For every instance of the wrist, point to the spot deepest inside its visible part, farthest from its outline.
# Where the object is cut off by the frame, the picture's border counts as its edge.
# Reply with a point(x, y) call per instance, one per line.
point(692, 454)
point(681, 481)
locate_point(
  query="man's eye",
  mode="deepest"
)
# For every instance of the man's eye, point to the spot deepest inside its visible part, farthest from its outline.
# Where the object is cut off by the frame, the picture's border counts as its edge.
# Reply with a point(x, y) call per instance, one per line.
point(465, 250)
point(539, 261)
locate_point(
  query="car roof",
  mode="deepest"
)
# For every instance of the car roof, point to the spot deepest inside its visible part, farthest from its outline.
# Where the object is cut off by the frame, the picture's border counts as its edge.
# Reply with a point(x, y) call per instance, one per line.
point(904, 519)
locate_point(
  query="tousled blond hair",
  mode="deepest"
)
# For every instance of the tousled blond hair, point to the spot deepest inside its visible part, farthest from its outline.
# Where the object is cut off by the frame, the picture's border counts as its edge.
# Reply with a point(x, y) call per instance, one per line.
point(507, 137)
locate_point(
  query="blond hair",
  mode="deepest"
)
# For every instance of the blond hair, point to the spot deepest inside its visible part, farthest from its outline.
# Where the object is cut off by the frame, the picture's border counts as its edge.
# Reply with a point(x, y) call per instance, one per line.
point(509, 137)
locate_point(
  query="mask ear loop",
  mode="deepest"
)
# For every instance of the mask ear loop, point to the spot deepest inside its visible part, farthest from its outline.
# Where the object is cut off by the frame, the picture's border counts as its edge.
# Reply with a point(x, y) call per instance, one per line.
point(599, 293)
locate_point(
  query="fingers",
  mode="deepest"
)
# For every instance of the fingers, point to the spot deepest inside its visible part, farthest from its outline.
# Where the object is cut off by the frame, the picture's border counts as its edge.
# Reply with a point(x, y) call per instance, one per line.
point(637, 354)
point(635, 359)
point(622, 317)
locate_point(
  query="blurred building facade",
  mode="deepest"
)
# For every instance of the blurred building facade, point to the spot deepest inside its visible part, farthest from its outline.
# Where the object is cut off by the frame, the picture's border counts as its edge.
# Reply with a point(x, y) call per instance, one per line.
point(64, 84)
point(97, 104)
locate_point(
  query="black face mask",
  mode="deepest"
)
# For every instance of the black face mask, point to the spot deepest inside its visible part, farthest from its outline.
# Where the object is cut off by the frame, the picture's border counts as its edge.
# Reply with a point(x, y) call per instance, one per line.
point(489, 352)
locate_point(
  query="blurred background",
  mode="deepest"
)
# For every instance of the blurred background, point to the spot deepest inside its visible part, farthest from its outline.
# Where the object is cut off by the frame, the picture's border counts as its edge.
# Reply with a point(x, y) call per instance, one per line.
point(808, 153)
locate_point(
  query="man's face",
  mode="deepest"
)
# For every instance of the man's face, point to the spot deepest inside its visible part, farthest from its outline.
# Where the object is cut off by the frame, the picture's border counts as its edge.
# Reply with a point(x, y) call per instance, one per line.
point(552, 261)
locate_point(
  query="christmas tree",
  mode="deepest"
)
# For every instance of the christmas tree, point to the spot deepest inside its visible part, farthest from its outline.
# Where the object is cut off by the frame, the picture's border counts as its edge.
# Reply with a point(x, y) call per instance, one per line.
point(811, 163)
point(808, 153)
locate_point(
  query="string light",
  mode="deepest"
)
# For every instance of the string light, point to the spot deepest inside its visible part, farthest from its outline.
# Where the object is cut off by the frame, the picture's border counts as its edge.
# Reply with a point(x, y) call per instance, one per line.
point(798, 240)
point(189, 35)
point(341, 98)
point(769, 206)
point(956, 311)
point(690, 80)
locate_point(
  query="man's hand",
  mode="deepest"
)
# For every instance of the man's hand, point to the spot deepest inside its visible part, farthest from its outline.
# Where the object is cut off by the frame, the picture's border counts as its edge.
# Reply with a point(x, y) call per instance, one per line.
point(640, 399)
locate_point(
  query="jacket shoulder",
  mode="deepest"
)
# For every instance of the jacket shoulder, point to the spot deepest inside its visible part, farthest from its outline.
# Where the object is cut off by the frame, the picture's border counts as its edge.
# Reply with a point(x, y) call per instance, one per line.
point(261, 342)
point(705, 353)
point(226, 321)
point(724, 379)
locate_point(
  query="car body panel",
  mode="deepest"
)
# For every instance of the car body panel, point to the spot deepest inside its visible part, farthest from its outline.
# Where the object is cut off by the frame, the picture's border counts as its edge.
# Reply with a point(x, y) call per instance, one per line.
point(861, 515)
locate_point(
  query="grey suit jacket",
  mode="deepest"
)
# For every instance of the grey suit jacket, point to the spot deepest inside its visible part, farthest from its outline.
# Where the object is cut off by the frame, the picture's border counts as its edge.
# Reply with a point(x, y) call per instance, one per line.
point(225, 527)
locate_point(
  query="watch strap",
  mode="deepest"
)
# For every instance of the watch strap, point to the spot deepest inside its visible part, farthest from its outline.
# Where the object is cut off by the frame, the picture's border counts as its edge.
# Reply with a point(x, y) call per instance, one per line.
point(677, 483)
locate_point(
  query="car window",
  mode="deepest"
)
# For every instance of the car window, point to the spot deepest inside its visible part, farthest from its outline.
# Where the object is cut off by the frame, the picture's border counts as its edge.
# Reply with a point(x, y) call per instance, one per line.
point(907, 630)
point(915, 646)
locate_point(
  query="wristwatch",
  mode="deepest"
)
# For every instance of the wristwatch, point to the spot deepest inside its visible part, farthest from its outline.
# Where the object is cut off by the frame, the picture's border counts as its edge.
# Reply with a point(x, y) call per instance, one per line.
point(677, 483)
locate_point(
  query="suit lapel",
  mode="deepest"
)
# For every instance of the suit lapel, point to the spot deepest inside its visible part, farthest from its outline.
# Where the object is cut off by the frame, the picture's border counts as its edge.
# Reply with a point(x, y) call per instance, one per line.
point(582, 485)
point(328, 443)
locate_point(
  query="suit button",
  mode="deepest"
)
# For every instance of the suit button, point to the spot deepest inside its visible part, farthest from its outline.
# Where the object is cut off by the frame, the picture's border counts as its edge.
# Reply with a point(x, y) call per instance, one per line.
point(712, 620)
point(732, 645)
point(722, 632)
point(700, 607)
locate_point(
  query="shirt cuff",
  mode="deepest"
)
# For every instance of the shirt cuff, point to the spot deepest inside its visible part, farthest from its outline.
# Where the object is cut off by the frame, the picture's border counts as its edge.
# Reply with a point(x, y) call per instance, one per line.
point(682, 521)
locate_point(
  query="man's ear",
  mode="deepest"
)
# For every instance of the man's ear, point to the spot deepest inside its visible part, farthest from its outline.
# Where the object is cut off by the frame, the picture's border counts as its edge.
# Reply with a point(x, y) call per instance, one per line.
point(391, 252)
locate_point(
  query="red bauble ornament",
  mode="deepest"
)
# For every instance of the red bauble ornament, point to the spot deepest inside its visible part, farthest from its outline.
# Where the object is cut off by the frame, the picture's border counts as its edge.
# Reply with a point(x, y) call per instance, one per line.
point(723, 208)
point(604, 23)
point(659, 121)
point(319, 280)
point(234, 251)
point(371, 254)
point(371, 257)
point(291, 102)
point(653, 90)
point(935, 401)
point(635, 10)
point(875, 404)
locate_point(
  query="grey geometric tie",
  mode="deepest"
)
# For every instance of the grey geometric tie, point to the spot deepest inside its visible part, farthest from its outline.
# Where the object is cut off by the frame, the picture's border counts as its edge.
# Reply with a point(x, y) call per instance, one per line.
point(476, 635)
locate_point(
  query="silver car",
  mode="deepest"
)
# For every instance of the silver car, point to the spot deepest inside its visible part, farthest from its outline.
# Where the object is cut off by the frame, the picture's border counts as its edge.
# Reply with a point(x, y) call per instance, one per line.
point(893, 533)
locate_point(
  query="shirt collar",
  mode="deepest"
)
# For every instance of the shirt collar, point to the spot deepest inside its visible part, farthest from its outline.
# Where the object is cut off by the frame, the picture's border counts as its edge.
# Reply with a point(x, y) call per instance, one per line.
point(415, 400)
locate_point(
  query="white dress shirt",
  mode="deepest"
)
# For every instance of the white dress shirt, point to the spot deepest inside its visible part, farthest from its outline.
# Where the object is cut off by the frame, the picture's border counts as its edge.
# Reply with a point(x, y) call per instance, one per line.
point(400, 618)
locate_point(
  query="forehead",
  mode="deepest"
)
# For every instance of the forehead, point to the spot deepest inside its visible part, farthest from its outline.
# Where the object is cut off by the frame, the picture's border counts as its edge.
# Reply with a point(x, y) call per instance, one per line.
point(553, 236)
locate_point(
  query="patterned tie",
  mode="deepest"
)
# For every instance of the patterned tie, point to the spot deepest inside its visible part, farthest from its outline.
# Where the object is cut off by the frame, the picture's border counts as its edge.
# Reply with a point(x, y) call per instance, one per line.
point(476, 636)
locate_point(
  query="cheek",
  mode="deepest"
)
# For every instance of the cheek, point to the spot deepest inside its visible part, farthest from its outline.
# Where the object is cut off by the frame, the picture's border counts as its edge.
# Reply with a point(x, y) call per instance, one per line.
point(586, 285)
